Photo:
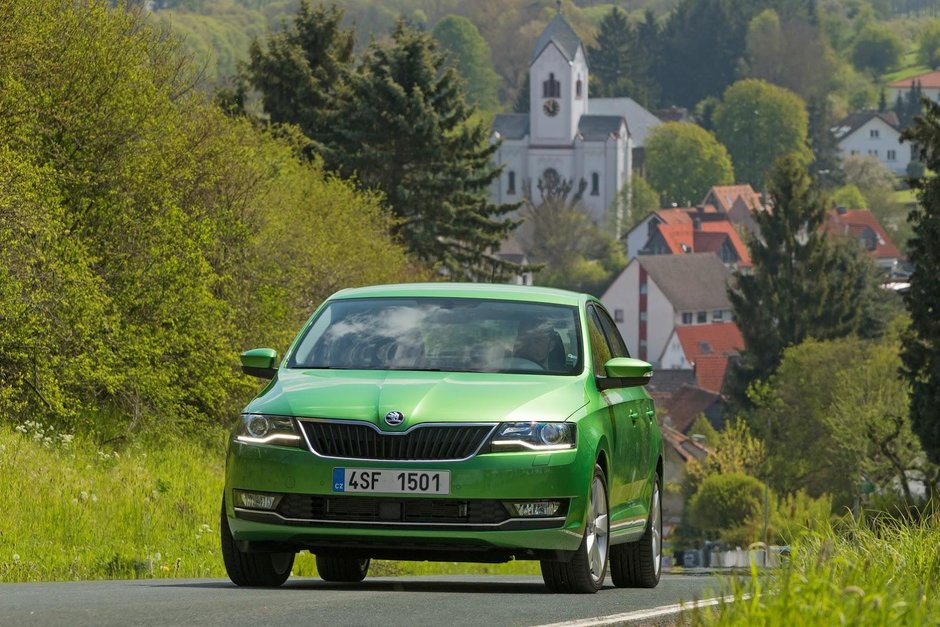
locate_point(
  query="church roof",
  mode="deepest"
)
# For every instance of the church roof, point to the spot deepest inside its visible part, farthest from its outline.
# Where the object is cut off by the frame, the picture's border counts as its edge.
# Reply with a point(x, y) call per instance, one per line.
point(511, 125)
point(599, 127)
point(560, 33)
point(639, 120)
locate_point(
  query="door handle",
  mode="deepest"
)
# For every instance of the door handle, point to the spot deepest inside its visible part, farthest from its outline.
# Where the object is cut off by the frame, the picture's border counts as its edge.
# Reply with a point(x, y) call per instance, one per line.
point(634, 415)
point(650, 414)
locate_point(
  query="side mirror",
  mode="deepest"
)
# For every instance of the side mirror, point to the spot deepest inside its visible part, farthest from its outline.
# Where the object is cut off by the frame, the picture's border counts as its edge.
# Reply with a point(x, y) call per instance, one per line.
point(259, 362)
point(631, 372)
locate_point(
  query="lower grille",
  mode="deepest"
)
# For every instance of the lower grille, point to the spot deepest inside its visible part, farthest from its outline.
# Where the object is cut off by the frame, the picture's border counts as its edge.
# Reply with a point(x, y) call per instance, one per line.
point(423, 443)
point(380, 509)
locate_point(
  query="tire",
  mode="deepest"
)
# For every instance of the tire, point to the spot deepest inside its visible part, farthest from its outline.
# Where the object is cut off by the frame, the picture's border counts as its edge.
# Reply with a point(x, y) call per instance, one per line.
point(342, 569)
point(585, 572)
point(252, 569)
point(638, 564)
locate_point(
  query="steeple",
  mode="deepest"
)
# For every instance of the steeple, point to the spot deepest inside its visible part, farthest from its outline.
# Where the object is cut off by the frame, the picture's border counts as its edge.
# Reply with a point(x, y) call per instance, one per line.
point(558, 80)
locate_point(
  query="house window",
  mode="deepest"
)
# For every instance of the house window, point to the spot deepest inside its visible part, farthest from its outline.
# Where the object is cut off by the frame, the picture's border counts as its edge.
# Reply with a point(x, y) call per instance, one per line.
point(892, 155)
point(595, 184)
point(854, 152)
point(551, 88)
point(718, 315)
point(873, 153)
point(686, 317)
point(642, 316)
point(873, 133)
point(701, 317)
point(578, 88)
point(642, 288)
point(511, 186)
point(618, 315)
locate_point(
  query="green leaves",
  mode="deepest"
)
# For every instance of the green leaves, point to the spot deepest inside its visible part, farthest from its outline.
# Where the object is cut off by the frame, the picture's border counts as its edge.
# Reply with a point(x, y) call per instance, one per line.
point(684, 161)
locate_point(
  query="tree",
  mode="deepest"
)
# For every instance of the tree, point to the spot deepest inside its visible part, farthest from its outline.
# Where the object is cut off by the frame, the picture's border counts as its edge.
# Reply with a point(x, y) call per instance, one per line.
point(641, 199)
point(801, 286)
point(730, 507)
point(928, 44)
point(683, 161)
point(522, 103)
point(300, 69)
point(460, 38)
point(921, 354)
point(618, 61)
point(401, 127)
point(877, 49)
point(759, 122)
point(557, 233)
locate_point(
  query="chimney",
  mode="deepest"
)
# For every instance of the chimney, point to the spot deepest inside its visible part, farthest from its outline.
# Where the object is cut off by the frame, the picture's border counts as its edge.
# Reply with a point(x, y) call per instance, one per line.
point(696, 223)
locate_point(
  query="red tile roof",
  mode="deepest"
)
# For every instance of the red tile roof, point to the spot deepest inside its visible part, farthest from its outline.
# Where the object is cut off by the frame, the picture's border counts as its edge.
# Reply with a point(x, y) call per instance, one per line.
point(678, 237)
point(725, 195)
point(707, 347)
point(679, 215)
point(724, 226)
point(682, 237)
point(686, 405)
point(930, 80)
point(856, 222)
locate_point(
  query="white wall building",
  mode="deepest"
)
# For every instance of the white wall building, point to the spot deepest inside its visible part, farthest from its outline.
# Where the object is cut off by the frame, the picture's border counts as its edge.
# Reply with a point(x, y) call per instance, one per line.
point(875, 134)
point(560, 136)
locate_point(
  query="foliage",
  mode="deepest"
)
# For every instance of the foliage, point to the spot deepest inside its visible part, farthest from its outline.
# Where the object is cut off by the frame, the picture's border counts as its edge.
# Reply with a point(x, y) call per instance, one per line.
point(864, 574)
point(849, 196)
point(877, 184)
point(928, 44)
point(801, 285)
point(758, 123)
point(877, 49)
point(735, 451)
point(641, 199)
point(402, 128)
point(619, 62)
point(795, 515)
point(842, 406)
point(683, 161)
point(921, 354)
point(577, 254)
point(704, 428)
point(300, 69)
point(730, 506)
point(137, 224)
point(471, 55)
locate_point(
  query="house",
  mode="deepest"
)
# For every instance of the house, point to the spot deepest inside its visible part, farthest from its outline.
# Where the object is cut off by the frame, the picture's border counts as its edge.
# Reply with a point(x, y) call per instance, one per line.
point(704, 349)
point(876, 134)
point(929, 85)
point(566, 135)
point(738, 202)
point(699, 235)
point(862, 225)
point(687, 404)
point(656, 293)
point(665, 383)
point(637, 237)
point(678, 450)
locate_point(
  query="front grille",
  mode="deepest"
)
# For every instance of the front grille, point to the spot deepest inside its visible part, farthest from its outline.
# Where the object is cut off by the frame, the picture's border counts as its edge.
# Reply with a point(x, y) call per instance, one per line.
point(360, 441)
point(381, 509)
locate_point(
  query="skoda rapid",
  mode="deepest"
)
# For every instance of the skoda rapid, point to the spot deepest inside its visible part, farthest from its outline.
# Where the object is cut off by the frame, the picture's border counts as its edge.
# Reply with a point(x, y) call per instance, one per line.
point(450, 422)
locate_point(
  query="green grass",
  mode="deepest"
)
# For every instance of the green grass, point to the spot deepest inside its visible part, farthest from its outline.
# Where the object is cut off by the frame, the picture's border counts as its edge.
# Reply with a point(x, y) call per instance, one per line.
point(73, 510)
point(905, 72)
point(885, 573)
point(904, 197)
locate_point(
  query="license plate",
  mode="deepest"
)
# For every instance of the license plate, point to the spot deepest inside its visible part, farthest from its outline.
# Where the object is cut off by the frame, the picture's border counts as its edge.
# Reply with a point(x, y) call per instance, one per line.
point(391, 481)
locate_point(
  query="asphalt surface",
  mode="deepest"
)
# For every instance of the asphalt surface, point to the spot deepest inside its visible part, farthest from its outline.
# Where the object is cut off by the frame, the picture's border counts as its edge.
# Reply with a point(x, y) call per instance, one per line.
point(446, 600)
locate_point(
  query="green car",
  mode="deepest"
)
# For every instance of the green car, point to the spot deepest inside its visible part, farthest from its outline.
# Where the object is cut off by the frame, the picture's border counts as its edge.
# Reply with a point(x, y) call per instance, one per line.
point(448, 422)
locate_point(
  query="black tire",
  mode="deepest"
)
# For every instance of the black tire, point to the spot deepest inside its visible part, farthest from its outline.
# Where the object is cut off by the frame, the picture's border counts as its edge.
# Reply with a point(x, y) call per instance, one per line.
point(580, 575)
point(638, 564)
point(252, 569)
point(342, 569)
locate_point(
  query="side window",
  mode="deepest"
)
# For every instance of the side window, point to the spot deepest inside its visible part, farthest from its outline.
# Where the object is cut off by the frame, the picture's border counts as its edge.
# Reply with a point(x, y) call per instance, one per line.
point(617, 346)
point(600, 352)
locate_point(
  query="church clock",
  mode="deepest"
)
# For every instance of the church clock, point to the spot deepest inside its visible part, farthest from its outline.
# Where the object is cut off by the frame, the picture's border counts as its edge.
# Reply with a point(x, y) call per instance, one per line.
point(551, 107)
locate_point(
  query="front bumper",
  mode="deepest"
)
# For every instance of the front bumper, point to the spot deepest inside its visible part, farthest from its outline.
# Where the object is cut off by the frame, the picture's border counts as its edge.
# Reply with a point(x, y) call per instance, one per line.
point(479, 481)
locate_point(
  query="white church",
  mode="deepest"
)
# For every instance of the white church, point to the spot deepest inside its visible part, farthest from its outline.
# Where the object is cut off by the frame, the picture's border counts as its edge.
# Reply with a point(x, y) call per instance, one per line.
point(586, 141)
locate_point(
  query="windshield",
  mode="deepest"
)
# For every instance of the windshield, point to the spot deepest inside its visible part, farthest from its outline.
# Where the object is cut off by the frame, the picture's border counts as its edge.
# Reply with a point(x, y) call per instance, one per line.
point(446, 334)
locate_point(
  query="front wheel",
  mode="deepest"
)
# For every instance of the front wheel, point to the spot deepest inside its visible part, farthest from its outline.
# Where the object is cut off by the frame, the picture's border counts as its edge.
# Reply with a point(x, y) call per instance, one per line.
point(586, 571)
point(252, 569)
point(637, 564)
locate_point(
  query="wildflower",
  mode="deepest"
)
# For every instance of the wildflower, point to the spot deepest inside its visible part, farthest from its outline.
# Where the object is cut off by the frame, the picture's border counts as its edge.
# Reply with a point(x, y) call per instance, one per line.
point(165, 568)
point(16, 558)
point(157, 556)
point(83, 496)
point(94, 498)
point(20, 428)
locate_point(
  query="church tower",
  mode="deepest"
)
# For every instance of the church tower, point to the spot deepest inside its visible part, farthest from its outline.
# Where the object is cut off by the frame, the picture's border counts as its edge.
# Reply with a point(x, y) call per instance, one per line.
point(558, 83)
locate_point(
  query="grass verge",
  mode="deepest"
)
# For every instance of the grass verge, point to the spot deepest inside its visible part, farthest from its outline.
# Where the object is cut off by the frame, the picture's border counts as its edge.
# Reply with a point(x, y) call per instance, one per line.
point(878, 573)
point(73, 510)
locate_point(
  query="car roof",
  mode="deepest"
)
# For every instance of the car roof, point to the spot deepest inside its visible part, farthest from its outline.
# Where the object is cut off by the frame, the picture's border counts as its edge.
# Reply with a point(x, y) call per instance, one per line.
point(467, 290)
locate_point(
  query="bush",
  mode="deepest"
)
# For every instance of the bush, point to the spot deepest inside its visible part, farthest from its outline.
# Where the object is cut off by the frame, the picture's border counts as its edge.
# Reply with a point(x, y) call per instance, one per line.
point(730, 506)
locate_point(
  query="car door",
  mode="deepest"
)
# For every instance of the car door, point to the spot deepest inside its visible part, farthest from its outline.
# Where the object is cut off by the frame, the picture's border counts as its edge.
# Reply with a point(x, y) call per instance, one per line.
point(639, 410)
point(622, 482)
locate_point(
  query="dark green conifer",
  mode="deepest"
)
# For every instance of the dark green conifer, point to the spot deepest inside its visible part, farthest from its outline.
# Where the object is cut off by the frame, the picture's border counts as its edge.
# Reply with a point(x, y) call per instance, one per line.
point(619, 66)
point(402, 127)
point(921, 351)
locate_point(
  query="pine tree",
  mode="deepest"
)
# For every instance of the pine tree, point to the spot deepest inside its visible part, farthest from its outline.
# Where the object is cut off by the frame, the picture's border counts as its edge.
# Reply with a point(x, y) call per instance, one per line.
point(921, 351)
point(402, 128)
point(300, 69)
point(882, 101)
point(522, 103)
point(618, 63)
point(801, 285)
point(826, 163)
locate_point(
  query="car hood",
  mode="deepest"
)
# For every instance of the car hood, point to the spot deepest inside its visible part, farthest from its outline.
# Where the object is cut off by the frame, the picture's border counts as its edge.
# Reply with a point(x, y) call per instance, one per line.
point(420, 396)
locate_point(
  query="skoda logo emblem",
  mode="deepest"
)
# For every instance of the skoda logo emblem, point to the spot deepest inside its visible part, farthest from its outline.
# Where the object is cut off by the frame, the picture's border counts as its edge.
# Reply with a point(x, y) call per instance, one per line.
point(394, 418)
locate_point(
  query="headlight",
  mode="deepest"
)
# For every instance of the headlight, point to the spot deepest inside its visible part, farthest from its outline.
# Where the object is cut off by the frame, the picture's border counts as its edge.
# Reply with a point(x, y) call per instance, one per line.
point(534, 436)
point(261, 429)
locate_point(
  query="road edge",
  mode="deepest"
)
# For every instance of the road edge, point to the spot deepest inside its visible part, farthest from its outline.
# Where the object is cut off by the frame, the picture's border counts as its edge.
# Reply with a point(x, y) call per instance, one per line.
point(654, 614)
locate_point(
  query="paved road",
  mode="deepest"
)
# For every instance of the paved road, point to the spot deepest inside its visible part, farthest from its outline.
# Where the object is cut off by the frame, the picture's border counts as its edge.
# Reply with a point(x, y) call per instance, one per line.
point(451, 600)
